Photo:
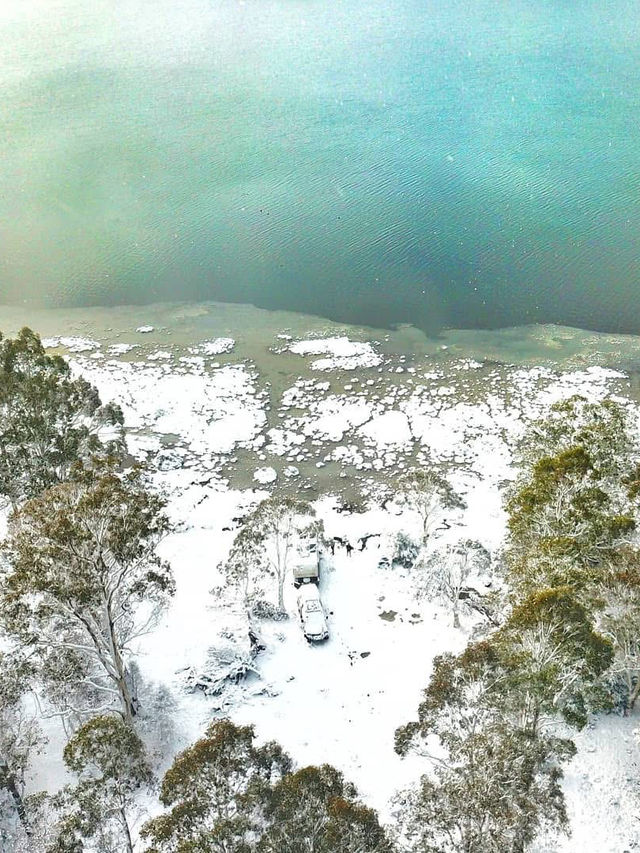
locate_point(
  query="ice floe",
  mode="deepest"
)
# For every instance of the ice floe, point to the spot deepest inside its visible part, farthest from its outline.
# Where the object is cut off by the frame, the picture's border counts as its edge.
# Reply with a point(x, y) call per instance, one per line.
point(73, 344)
point(217, 346)
point(265, 475)
point(341, 353)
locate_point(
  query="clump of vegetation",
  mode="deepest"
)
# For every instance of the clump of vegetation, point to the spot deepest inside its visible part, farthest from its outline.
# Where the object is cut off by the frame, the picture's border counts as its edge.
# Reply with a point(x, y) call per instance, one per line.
point(49, 420)
point(109, 760)
point(430, 496)
point(82, 580)
point(225, 793)
point(569, 625)
point(262, 552)
point(447, 574)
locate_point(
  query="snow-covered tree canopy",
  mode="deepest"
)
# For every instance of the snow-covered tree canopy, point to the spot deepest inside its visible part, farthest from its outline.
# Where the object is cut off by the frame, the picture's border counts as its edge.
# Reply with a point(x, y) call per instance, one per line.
point(20, 737)
point(429, 495)
point(49, 421)
point(208, 788)
point(109, 760)
point(448, 572)
point(315, 809)
point(494, 793)
point(82, 579)
point(575, 502)
point(265, 546)
point(494, 777)
point(227, 795)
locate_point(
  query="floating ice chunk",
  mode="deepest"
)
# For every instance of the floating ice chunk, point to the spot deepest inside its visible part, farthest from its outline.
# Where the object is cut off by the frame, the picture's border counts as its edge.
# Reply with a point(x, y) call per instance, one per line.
point(332, 416)
point(390, 428)
point(265, 475)
point(216, 346)
point(341, 353)
point(121, 349)
point(73, 344)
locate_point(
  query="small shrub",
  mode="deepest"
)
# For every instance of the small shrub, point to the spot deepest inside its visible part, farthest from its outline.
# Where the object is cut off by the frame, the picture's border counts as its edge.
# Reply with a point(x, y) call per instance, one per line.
point(406, 551)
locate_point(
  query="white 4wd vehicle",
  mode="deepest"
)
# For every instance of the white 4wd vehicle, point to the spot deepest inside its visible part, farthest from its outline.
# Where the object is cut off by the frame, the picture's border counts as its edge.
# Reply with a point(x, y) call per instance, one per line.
point(314, 622)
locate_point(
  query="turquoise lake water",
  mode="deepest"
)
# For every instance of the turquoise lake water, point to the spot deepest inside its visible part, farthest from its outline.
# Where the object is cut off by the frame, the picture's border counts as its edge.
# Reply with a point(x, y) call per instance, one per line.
point(463, 164)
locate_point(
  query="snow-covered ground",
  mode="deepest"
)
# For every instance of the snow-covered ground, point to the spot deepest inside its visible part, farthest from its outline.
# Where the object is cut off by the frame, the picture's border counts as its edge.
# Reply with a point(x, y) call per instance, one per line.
point(223, 435)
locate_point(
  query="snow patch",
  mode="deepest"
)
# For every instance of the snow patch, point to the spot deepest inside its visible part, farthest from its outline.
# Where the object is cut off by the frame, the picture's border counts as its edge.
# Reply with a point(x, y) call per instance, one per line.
point(265, 475)
point(388, 429)
point(342, 353)
point(217, 346)
point(73, 344)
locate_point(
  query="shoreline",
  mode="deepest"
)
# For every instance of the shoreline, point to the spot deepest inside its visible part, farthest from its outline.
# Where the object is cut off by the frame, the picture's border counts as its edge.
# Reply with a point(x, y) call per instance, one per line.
point(256, 329)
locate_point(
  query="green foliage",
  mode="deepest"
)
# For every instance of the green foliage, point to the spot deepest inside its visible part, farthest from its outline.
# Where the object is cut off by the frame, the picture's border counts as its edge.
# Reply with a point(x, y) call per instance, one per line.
point(498, 789)
point(265, 543)
point(80, 563)
point(555, 656)
point(49, 421)
point(570, 517)
point(110, 761)
point(562, 510)
point(575, 505)
point(315, 809)
point(207, 787)
point(463, 691)
point(602, 429)
point(498, 783)
point(226, 795)
point(111, 750)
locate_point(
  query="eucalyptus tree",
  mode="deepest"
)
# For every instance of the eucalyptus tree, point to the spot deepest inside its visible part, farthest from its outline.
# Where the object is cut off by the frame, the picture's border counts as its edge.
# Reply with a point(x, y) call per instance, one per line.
point(619, 622)
point(446, 573)
point(225, 794)
point(266, 544)
point(575, 503)
point(20, 738)
point(603, 428)
point(49, 420)
point(82, 580)
point(207, 789)
point(491, 781)
point(429, 495)
point(101, 809)
point(315, 810)
point(494, 794)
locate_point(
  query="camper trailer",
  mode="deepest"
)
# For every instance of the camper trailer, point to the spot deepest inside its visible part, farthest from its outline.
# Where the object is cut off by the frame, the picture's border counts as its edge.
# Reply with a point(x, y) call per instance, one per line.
point(306, 568)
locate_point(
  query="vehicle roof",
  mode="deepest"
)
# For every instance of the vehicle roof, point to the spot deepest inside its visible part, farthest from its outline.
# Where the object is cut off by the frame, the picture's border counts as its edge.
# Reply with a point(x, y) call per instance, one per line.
point(309, 592)
point(315, 622)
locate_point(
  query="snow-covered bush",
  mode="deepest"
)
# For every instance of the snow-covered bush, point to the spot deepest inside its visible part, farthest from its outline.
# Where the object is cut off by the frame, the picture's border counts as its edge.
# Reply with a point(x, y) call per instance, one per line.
point(406, 550)
point(156, 717)
point(452, 574)
point(226, 664)
point(262, 609)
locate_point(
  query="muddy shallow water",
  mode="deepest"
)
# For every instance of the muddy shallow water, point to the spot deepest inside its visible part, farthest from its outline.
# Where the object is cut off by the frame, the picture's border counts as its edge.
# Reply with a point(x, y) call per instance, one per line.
point(412, 400)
